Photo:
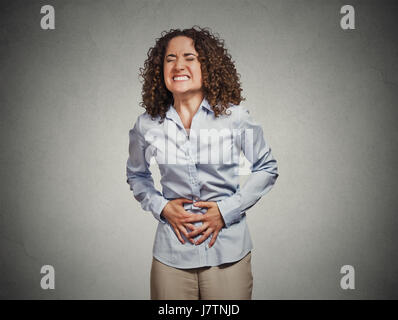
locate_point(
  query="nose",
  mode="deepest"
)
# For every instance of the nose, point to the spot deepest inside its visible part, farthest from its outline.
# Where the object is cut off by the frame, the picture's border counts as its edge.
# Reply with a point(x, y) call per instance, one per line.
point(179, 65)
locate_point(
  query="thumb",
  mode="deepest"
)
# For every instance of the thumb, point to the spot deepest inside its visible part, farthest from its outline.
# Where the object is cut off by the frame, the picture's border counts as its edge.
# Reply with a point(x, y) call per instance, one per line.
point(205, 204)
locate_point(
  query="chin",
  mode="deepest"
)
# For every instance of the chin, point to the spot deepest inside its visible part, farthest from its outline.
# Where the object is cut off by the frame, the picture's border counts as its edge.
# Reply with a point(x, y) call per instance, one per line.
point(180, 91)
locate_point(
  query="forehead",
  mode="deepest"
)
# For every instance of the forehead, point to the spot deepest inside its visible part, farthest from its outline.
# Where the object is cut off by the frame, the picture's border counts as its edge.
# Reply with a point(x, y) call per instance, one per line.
point(180, 43)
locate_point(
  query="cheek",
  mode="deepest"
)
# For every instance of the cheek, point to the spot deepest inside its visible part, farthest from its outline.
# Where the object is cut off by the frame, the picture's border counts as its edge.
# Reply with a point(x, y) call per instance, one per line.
point(166, 75)
point(166, 69)
point(198, 73)
point(201, 79)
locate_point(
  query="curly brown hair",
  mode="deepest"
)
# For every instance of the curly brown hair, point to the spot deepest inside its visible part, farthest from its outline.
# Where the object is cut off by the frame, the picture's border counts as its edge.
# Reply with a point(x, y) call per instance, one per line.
point(221, 85)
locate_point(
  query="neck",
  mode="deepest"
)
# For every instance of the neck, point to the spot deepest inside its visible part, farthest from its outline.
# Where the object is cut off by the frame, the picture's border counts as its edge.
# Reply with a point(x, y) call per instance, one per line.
point(188, 103)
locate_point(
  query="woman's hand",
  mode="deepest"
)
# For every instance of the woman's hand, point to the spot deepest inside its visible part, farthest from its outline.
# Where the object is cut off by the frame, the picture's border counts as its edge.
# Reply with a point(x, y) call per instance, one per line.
point(212, 222)
point(175, 214)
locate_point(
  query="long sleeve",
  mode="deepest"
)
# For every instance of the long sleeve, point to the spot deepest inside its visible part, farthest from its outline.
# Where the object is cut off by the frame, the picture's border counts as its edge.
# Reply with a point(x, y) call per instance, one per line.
point(263, 166)
point(139, 177)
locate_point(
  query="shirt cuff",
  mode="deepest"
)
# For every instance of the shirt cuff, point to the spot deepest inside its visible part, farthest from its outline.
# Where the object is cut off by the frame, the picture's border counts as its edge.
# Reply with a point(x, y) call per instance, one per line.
point(230, 209)
point(158, 208)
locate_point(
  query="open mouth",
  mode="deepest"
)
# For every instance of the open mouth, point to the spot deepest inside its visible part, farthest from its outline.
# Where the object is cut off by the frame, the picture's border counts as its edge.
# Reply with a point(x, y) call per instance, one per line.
point(180, 78)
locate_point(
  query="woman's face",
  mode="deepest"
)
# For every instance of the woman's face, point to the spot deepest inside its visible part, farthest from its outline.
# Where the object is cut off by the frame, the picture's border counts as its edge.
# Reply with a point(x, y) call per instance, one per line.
point(181, 67)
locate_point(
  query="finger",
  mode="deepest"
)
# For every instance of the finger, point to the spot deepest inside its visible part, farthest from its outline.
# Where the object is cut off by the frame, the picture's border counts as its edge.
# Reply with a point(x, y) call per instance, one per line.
point(185, 233)
point(205, 204)
point(190, 226)
point(179, 235)
point(184, 200)
point(194, 218)
point(182, 230)
point(198, 230)
point(204, 237)
point(213, 239)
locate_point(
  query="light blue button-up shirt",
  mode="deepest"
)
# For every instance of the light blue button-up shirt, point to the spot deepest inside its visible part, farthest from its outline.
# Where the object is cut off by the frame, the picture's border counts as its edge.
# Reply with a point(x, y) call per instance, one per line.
point(201, 166)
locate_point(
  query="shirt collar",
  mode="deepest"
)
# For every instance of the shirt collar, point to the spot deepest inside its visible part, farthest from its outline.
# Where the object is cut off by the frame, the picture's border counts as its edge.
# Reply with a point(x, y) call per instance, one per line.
point(206, 105)
point(173, 115)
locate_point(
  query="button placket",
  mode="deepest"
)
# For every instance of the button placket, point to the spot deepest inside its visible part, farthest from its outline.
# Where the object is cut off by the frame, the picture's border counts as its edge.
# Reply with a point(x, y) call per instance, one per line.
point(190, 153)
point(193, 173)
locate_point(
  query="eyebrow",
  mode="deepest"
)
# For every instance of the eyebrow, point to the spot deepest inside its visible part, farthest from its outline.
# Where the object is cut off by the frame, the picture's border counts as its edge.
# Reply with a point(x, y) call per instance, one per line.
point(185, 55)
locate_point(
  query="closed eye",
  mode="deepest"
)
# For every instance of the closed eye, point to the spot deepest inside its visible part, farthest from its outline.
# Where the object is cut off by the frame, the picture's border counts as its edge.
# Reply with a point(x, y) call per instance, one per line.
point(189, 59)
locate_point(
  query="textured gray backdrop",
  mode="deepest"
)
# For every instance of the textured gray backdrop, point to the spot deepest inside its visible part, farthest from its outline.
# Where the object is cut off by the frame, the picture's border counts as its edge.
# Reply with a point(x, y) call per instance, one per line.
point(326, 98)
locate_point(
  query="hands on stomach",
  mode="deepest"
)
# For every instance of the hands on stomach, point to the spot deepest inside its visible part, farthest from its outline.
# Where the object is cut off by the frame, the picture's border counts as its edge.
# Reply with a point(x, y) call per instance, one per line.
point(181, 220)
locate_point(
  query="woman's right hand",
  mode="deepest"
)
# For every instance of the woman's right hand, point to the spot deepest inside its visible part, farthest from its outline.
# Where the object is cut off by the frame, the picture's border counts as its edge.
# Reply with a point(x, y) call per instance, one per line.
point(175, 213)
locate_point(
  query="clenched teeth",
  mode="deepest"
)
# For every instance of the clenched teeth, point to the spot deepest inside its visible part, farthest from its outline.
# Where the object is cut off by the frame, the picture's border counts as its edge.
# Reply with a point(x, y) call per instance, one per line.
point(181, 78)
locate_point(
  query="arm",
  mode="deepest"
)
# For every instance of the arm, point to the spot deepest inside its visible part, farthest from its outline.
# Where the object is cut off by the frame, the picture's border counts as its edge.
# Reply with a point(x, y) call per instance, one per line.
point(140, 178)
point(263, 166)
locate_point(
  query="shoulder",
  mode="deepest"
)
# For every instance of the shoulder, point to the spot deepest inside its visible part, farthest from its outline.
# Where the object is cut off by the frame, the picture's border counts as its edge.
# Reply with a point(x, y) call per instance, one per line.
point(239, 109)
point(144, 122)
point(239, 114)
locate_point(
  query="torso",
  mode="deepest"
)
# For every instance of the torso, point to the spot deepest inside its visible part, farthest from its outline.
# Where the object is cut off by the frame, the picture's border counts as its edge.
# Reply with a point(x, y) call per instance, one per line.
point(186, 121)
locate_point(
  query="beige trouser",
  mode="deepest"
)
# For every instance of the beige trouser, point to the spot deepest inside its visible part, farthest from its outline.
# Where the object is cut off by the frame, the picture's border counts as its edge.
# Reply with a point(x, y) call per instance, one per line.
point(232, 281)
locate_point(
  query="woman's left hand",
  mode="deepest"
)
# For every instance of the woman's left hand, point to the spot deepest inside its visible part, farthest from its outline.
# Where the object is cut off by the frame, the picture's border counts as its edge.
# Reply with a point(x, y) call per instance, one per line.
point(212, 222)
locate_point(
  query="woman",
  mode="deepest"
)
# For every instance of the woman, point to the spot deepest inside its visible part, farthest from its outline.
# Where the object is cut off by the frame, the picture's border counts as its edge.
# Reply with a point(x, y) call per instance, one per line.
point(192, 95)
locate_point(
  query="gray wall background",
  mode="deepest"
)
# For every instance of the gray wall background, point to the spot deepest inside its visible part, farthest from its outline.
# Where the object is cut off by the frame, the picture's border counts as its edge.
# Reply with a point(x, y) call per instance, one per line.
point(326, 98)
